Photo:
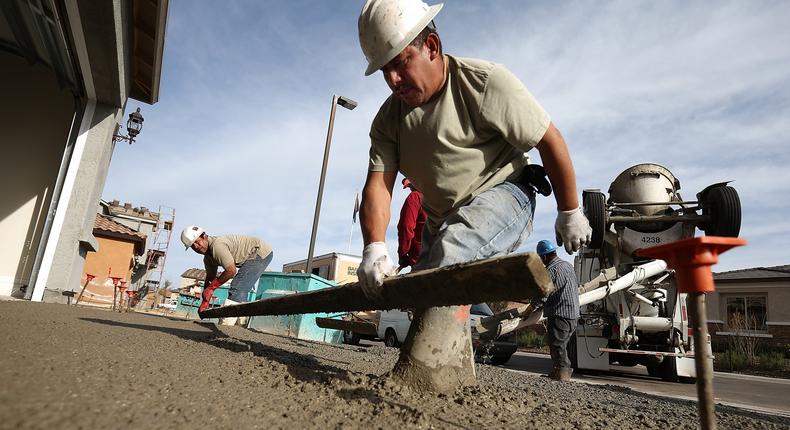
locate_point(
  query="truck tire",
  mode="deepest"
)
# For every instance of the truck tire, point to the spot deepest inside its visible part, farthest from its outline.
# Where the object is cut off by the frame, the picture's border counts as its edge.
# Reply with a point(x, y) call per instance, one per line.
point(723, 206)
point(653, 366)
point(595, 208)
point(499, 360)
point(391, 339)
point(653, 369)
point(668, 370)
point(350, 338)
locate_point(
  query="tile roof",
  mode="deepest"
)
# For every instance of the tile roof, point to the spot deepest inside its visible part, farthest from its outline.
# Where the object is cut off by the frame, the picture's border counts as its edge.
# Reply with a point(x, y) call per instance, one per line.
point(199, 274)
point(763, 273)
point(104, 226)
point(107, 225)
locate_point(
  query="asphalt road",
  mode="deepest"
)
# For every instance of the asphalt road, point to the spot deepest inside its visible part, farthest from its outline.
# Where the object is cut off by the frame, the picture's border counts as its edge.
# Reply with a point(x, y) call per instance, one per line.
point(769, 395)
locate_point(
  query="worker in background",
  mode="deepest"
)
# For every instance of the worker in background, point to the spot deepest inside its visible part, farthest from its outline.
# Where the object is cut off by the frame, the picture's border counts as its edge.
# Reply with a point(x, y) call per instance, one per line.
point(561, 309)
point(459, 129)
point(243, 259)
point(412, 220)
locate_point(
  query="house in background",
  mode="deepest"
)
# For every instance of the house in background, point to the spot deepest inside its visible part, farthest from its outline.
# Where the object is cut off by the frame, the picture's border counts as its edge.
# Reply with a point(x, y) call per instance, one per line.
point(118, 247)
point(68, 68)
point(157, 227)
point(192, 281)
point(751, 302)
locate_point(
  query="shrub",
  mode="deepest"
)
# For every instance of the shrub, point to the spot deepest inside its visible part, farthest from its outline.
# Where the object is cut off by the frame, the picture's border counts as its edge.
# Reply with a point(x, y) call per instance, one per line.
point(743, 340)
point(734, 360)
point(530, 339)
point(772, 361)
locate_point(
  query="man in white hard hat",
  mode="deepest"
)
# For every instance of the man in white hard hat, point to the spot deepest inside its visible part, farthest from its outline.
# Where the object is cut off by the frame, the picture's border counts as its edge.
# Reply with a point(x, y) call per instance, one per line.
point(459, 129)
point(243, 258)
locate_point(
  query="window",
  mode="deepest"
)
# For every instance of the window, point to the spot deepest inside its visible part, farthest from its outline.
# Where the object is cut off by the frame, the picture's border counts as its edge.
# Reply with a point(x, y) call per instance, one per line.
point(746, 313)
point(322, 271)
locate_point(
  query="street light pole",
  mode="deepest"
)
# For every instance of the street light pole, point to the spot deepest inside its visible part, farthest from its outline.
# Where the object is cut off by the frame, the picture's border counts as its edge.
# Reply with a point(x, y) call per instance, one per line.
point(350, 105)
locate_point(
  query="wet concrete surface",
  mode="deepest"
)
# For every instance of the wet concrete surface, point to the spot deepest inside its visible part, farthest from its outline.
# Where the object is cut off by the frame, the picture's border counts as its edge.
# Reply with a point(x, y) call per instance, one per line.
point(67, 367)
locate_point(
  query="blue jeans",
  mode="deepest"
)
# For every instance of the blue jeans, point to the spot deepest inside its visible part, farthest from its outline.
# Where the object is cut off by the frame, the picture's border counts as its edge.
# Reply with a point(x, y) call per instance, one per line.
point(247, 276)
point(494, 223)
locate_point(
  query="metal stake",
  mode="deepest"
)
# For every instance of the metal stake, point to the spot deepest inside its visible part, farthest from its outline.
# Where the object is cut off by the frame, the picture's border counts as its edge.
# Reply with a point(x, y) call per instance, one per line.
point(88, 278)
point(704, 366)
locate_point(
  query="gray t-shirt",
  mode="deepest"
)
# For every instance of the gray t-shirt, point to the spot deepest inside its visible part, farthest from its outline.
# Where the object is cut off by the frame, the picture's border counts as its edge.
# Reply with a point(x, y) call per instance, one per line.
point(233, 250)
point(472, 136)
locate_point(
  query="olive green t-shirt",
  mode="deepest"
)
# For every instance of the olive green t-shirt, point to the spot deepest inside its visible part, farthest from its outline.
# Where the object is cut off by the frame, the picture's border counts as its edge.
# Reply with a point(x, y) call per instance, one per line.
point(471, 137)
point(233, 250)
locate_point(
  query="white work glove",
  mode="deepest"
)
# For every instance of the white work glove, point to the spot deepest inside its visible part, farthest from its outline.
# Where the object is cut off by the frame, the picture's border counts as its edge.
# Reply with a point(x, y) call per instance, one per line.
point(573, 230)
point(375, 266)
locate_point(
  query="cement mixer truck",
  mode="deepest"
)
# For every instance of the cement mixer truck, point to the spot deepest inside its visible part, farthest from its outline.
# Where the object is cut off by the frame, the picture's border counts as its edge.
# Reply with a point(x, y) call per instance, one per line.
point(631, 313)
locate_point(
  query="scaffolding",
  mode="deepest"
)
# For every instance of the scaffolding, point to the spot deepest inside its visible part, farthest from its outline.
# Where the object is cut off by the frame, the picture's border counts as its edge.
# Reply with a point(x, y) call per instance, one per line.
point(155, 258)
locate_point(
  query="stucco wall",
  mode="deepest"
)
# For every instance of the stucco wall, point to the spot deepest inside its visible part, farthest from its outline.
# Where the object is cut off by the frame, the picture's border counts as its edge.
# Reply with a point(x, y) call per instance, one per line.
point(777, 297)
point(114, 257)
point(91, 173)
point(35, 117)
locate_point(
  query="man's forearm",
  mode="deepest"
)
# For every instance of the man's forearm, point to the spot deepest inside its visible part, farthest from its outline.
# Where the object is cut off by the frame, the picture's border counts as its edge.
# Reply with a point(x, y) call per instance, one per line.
point(374, 213)
point(374, 220)
point(211, 274)
point(226, 275)
point(557, 162)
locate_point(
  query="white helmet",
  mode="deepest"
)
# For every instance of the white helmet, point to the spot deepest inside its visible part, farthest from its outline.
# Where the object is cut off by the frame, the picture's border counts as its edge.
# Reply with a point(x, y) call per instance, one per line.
point(190, 234)
point(386, 27)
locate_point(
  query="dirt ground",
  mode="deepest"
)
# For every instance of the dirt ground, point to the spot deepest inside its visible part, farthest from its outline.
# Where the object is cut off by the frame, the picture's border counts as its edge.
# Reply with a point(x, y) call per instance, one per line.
point(67, 367)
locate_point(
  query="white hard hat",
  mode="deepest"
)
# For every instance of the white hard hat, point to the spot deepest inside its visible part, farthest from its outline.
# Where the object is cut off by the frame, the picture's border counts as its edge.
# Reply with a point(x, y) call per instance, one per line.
point(386, 27)
point(190, 234)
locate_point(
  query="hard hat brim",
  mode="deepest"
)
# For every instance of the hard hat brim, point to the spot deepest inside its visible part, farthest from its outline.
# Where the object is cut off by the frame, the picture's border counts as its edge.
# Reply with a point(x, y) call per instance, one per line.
point(407, 39)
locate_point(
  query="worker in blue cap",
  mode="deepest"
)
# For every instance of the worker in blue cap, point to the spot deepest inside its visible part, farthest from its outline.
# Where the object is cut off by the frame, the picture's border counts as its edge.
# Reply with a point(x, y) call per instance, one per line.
point(561, 309)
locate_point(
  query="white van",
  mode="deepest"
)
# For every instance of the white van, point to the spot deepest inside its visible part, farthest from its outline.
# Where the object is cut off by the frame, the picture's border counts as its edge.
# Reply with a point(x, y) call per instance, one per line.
point(393, 326)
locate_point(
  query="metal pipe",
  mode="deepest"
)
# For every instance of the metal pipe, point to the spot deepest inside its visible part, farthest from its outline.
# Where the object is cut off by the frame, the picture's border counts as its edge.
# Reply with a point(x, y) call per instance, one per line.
point(350, 105)
point(656, 218)
point(702, 364)
point(640, 297)
point(651, 324)
point(684, 202)
point(320, 196)
point(640, 273)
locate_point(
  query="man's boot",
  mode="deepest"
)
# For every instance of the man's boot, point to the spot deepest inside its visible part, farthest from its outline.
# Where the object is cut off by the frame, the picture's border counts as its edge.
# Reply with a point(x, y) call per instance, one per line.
point(561, 373)
point(229, 320)
point(437, 354)
point(565, 373)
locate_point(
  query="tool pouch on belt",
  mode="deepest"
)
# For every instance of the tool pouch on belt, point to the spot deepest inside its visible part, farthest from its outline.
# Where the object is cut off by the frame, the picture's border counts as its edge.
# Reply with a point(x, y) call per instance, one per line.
point(534, 176)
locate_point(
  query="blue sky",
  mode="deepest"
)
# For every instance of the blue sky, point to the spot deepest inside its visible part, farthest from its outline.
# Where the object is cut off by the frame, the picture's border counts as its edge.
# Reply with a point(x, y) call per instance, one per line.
point(236, 142)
